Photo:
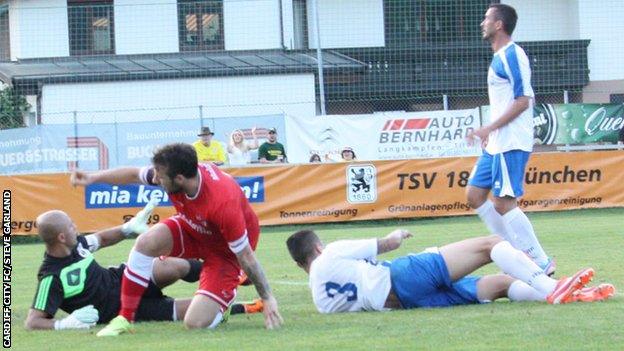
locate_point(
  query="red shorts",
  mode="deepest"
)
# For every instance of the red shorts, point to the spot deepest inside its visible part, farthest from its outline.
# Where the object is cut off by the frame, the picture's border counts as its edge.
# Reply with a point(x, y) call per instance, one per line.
point(219, 276)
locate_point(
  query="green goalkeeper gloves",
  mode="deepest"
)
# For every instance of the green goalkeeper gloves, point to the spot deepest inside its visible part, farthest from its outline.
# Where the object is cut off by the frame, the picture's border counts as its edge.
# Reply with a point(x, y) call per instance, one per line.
point(138, 223)
point(82, 318)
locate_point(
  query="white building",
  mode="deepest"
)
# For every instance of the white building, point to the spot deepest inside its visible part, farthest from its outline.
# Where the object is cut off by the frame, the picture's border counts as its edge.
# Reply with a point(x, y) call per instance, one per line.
point(137, 60)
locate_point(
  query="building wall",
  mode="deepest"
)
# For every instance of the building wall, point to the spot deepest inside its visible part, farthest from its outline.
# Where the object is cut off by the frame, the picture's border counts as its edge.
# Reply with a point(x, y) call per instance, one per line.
point(347, 23)
point(546, 20)
point(602, 23)
point(146, 28)
point(179, 99)
point(251, 24)
point(38, 28)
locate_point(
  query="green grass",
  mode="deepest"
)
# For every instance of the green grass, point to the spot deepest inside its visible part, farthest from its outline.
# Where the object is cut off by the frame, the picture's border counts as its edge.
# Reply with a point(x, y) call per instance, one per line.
point(576, 238)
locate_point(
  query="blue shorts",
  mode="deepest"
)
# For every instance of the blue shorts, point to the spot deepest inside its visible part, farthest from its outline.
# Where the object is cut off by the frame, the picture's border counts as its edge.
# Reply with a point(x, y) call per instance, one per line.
point(503, 173)
point(423, 280)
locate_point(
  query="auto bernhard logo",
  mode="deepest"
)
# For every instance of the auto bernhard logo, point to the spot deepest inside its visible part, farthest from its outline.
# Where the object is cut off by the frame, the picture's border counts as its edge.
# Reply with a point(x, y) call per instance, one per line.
point(361, 183)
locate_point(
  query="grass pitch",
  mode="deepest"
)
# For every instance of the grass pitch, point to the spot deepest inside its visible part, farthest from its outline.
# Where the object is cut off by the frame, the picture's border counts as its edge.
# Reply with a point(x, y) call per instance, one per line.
point(587, 238)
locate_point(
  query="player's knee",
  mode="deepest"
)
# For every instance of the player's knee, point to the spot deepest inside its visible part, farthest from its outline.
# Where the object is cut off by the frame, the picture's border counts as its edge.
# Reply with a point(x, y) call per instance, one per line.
point(488, 243)
point(143, 245)
point(474, 198)
point(201, 323)
point(195, 324)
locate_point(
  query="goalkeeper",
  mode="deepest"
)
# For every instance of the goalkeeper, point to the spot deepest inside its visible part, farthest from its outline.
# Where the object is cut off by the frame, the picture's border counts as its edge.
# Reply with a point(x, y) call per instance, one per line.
point(70, 278)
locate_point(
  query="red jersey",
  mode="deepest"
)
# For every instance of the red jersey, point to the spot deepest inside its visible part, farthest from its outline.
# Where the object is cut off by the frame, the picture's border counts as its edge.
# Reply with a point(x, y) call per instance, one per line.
point(219, 215)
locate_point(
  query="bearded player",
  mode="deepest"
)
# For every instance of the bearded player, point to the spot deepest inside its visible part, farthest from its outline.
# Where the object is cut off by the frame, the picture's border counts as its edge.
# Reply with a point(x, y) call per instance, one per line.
point(214, 222)
point(70, 279)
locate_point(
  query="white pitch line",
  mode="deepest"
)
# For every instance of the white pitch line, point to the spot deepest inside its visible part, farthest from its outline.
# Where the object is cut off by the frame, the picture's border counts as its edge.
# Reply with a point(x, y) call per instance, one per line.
point(287, 282)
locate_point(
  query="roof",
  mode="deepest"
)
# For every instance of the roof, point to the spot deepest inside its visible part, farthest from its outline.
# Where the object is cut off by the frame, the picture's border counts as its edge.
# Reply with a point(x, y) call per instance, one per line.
point(28, 75)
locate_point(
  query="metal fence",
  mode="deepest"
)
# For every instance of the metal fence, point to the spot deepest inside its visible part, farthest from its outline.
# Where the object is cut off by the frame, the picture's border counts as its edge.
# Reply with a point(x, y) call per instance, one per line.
point(89, 62)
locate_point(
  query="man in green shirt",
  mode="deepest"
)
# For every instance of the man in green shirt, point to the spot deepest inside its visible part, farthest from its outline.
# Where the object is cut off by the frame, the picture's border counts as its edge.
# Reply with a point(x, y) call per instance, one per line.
point(272, 151)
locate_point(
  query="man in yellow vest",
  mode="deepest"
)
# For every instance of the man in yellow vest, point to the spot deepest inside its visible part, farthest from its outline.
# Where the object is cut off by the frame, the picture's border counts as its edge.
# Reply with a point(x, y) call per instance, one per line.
point(209, 150)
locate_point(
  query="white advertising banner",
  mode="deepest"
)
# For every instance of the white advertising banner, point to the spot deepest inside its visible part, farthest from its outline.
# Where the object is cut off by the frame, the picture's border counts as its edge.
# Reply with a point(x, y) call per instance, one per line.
point(383, 136)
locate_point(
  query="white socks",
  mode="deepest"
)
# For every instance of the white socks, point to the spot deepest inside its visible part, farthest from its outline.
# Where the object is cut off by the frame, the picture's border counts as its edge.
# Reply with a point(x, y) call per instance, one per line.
point(520, 291)
point(518, 265)
point(139, 267)
point(523, 237)
point(493, 220)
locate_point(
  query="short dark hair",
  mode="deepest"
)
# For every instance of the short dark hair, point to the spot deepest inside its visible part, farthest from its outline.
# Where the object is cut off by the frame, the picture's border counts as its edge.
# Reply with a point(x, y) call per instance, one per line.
point(178, 158)
point(507, 15)
point(301, 245)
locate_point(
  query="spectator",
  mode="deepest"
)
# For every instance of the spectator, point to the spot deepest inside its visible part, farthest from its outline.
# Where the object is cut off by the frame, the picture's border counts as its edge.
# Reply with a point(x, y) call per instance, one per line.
point(209, 150)
point(315, 158)
point(239, 150)
point(347, 154)
point(272, 151)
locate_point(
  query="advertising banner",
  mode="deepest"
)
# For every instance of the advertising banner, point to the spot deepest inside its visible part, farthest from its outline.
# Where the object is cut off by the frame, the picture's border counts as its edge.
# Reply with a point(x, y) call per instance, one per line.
point(335, 192)
point(578, 123)
point(383, 136)
point(62, 147)
point(561, 124)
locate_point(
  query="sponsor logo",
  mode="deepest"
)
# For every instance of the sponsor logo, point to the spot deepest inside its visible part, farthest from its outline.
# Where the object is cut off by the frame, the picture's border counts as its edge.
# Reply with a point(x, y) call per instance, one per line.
point(424, 130)
point(545, 124)
point(89, 143)
point(361, 183)
point(115, 196)
point(252, 187)
point(134, 195)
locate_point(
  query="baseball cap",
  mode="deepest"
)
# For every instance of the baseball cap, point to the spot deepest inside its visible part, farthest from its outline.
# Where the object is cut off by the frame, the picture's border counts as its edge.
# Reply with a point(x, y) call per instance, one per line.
point(273, 130)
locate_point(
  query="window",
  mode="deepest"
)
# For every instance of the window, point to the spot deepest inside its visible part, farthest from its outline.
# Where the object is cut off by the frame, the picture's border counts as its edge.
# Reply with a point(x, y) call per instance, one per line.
point(91, 27)
point(300, 19)
point(5, 44)
point(409, 23)
point(200, 25)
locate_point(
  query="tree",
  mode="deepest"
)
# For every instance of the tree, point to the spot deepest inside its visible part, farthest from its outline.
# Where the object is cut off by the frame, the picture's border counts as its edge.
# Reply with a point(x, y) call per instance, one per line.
point(13, 107)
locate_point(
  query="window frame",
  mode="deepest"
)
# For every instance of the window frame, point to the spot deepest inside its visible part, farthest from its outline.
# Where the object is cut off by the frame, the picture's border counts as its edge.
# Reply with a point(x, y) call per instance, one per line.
point(7, 36)
point(199, 8)
point(89, 5)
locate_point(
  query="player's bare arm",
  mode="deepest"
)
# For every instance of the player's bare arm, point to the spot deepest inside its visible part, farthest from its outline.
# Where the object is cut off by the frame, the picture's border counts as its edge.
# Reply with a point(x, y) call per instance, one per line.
point(251, 266)
point(37, 320)
point(392, 241)
point(82, 318)
point(519, 105)
point(124, 175)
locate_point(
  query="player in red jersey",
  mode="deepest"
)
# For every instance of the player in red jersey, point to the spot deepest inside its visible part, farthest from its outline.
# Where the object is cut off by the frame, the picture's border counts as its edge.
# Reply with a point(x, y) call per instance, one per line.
point(214, 222)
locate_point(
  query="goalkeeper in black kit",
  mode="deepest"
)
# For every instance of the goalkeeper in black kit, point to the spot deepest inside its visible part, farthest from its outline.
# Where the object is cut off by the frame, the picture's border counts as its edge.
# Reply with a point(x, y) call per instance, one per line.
point(71, 280)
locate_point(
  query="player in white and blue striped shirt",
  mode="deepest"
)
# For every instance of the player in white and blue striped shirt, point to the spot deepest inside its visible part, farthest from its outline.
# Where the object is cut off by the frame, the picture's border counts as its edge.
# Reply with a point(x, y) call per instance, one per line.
point(507, 140)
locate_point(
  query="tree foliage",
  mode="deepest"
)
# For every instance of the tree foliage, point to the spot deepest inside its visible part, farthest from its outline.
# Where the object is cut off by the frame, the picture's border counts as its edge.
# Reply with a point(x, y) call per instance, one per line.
point(13, 107)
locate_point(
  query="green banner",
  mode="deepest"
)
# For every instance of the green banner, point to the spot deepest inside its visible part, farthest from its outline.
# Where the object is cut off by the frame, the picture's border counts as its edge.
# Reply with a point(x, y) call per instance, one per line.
point(577, 123)
point(573, 123)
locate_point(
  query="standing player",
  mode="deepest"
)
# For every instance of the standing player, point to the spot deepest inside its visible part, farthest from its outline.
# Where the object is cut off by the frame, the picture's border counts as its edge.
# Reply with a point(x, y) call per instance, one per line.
point(508, 139)
point(214, 222)
point(345, 276)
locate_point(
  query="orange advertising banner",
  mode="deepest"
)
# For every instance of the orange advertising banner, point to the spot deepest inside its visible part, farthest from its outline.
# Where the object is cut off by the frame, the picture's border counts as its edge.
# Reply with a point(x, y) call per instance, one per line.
point(318, 193)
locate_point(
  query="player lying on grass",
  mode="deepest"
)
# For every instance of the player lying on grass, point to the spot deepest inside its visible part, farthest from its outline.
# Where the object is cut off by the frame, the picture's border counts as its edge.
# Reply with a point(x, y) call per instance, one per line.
point(71, 279)
point(344, 276)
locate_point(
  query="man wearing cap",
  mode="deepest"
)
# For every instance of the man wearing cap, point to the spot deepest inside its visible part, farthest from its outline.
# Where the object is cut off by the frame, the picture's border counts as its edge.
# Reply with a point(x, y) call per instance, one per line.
point(272, 151)
point(209, 150)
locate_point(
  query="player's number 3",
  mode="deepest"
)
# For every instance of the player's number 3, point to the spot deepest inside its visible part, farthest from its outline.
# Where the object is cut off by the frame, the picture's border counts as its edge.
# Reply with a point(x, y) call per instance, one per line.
point(334, 288)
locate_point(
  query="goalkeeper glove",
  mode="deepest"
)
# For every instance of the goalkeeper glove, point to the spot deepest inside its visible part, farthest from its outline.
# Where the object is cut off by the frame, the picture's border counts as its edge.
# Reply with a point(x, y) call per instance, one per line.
point(138, 223)
point(82, 318)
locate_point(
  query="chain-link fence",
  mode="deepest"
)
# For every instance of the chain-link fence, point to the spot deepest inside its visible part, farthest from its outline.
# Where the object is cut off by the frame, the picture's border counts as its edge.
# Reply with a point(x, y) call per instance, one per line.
point(134, 60)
